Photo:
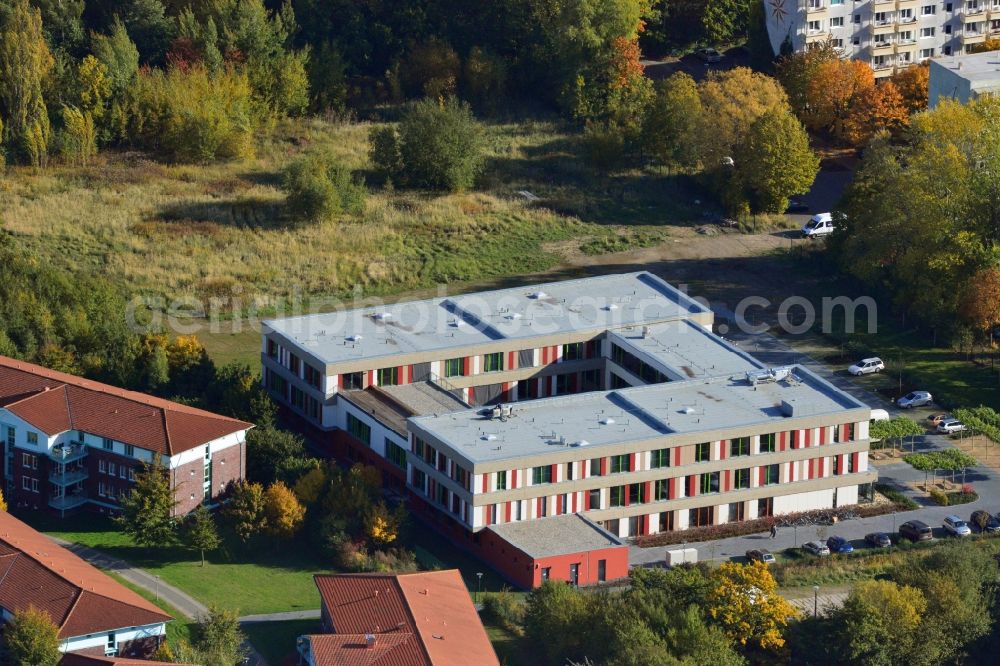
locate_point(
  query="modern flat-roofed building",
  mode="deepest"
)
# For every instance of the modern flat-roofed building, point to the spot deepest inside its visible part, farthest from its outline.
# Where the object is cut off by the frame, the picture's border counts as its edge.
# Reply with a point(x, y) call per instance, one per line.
point(608, 397)
point(72, 443)
point(887, 34)
point(94, 614)
point(964, 78)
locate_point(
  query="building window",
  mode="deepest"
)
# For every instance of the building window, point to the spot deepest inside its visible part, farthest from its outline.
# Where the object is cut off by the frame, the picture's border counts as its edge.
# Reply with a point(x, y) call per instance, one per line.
point(700, 517)
point(359, 429)
point(29, 461)
point(602, 570)
point(702, 452)
point(11, 436)
point(660, 489)
point(637, 493)
point(837, 22)
point(293, 364)
point(595, 499)
point(569, 471)
point(102, 466)
point(420, 480)
point(454, 367)
point(493, 362)
point(112, 468)
point(926, 32)
point(617, 494)
point(765, 507)
point(767, 443)
point(770, 474)
point(741, 479)
point(129, 450)
point(395, 453)
point(850, 464)
point(546, 572)
point(272, 349)
point(659, 458)
point(928, 10)
point(502, 480)
point(32, 437)
point(573, 351)
point(619, 463)
point(850, 432)
point(595, 466)
point(314, 377)
point(709, 483)
point(541, 474)
point(739, 447)
point(737, 512)
point(353, 380)
point(388, 376)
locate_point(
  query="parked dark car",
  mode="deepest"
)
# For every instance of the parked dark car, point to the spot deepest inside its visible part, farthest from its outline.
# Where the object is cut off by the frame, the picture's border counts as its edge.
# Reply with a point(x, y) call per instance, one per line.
point(838, 544)
point(797, 206)
point(878, 539)
point(990, 522)
point(916, 530)
point(760, 555)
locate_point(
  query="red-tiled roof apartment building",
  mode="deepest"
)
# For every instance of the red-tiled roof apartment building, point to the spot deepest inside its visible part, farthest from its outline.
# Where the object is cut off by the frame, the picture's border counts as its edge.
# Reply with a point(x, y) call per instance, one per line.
point(418, 619)
point(95, 615)
point(71, 442)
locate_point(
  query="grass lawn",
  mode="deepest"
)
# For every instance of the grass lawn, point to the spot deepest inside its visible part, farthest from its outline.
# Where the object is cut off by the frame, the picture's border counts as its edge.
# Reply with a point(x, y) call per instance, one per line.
point(220, 230)
point(510, 648)
point(276, 580)
point(276, 640)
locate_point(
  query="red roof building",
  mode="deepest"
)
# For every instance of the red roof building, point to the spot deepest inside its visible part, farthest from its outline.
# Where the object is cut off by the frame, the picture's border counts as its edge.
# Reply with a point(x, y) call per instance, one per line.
point(94, 614)
point(418, 619)
point(86, 660)
point(71, 442)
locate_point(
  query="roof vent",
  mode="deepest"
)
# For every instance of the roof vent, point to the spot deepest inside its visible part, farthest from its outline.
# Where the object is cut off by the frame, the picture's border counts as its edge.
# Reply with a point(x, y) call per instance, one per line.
point(382, 316)
point(354, 338)
point(608, 421)
point(489, 438)
point(513, 315)
point(538, 295)
point(370, 640)
point(687, 410)
point(458, 323)
point(582, 442)
point(610, 306)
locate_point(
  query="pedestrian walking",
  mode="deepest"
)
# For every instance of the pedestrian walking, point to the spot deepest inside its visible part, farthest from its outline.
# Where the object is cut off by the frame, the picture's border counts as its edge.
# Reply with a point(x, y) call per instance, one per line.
point(774, 530)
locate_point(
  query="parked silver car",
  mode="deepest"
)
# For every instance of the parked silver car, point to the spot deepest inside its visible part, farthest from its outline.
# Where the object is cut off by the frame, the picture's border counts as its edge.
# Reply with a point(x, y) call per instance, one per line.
point(867, 366)
point(950, 427)
point(915, 399)
point(956, 526)
point(815, 548)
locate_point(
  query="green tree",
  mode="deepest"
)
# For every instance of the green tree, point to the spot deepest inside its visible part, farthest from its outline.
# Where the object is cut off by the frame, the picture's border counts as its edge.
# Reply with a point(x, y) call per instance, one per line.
point(245, 509)
point(554, 612)
point(328, 78)
point(148, 510)
point(797, 70)
point(440, 145)
point(774, 161)
point(879, 623)
point(201, 534)
point(726, 21)
point(31, 639)
point(276, 455)
point(25, 63)
point(220, 640)
point(318, 187)
point(236, 391)
point(672, 121)
point(78, 138)
point(119, 55)
point(62, 21)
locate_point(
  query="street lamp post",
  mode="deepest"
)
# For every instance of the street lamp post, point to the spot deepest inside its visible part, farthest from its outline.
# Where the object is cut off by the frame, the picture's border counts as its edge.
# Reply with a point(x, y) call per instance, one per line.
point(479, 585)
point(815, 600)
point(157, 588)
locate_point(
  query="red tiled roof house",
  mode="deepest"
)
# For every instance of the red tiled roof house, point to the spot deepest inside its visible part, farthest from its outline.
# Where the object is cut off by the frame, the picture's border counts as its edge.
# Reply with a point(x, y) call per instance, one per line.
point(71, 442)
point(94, 614)
point(418, 619)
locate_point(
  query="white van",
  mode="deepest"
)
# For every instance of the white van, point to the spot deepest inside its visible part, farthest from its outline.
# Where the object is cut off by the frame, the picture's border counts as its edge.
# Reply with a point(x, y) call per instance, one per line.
point(819, 224)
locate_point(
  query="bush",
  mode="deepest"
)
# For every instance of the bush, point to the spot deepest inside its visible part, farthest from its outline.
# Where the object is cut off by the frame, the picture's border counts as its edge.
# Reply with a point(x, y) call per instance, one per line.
point(961, 498)
point(430, 70)
point(78, 138)
point(318, 187)
point(503, 609)
point(604, 146)
point(384, 152)
point(440, 146)
point(939, 497)
point(191, 115)
point(897, 497)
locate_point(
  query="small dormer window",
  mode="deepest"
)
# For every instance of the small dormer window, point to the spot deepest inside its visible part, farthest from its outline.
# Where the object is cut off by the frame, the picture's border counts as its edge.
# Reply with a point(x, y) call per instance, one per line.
point(109, 445)
point(32, 437)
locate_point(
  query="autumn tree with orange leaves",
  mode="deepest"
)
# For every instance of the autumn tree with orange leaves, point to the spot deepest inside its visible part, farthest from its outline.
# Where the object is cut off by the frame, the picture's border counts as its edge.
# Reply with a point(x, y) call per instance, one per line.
point(912, 83)
point(981, 306)
point(882, 109)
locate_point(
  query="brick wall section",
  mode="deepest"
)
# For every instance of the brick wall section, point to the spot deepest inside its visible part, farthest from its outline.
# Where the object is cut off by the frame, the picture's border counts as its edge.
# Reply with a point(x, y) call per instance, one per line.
point(25, 498)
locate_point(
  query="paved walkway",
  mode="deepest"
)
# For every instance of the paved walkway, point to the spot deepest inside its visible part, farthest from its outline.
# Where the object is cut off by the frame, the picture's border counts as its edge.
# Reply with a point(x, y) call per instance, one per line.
point(818, 604)
point(183, 603)
point(898, 474)
point(282, 617)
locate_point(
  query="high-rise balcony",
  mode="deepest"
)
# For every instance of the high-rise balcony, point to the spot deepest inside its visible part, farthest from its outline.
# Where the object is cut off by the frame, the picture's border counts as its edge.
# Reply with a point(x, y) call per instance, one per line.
point(69, 477)
point(68, 502)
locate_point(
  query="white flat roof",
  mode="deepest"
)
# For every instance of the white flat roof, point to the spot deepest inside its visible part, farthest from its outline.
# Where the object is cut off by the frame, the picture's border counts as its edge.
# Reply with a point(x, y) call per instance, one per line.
point(437, 324)
point(607, 418)
point(976, 67)
point(687, 350)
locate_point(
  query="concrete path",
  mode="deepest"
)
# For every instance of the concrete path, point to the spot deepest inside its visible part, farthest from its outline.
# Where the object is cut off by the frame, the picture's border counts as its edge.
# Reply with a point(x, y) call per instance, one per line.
point(826, 600)
point(185, 604)
point(282, 617)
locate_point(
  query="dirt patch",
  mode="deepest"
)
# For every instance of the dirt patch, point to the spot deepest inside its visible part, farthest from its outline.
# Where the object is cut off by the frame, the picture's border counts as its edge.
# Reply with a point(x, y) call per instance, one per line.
point(982, 448)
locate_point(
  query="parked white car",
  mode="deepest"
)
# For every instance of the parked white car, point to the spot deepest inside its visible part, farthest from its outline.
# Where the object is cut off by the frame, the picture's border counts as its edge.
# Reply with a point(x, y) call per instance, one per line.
point(915, 399)
point(950, 426)
point(818, 225)
point(867, 366)
point(956, 526)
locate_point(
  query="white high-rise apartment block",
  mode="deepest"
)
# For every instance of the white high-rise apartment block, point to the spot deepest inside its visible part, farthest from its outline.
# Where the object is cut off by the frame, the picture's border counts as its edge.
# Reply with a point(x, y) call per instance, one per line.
point(887, 34)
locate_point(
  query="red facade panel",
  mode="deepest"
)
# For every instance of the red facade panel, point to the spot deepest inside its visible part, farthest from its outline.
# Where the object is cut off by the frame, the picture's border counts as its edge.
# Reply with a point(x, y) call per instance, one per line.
point(782, 440)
